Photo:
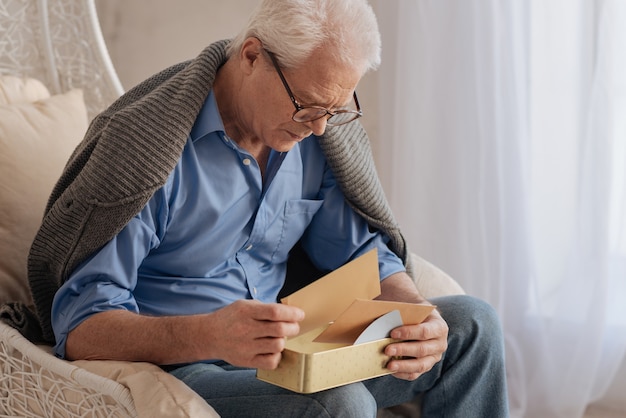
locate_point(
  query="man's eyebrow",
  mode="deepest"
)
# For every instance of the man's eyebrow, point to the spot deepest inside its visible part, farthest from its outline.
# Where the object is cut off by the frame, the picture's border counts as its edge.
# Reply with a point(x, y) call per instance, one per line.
point(314, 102)
point(307, 99)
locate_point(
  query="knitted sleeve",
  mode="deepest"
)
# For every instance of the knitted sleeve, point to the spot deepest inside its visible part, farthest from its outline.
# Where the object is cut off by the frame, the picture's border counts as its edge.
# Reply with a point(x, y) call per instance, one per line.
point(349, 155)
point(127, 154)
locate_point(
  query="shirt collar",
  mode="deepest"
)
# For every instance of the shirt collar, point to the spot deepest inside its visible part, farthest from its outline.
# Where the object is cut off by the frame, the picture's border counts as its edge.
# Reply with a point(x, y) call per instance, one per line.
point(208, 120)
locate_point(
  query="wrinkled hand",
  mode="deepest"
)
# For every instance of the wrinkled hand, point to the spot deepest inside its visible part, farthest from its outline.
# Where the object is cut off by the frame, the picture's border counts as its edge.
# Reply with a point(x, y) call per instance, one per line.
point(423, 347)
point(250, 333)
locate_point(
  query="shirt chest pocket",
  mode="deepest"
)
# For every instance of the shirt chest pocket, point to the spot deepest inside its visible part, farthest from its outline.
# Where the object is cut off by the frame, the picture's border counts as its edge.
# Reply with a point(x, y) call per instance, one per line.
point(296, 217)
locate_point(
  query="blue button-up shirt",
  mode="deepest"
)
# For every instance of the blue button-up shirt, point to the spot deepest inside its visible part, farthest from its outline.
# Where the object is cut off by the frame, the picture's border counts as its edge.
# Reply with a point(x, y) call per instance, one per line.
point(218, 231)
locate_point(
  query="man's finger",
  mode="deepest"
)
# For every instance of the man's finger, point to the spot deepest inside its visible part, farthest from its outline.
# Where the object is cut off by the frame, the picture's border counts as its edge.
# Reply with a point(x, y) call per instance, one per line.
point(278, 312)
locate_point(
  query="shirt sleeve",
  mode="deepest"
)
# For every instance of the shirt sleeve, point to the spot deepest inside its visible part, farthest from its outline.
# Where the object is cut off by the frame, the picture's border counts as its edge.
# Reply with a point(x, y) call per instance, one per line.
point(106, 280)
point(338, 234)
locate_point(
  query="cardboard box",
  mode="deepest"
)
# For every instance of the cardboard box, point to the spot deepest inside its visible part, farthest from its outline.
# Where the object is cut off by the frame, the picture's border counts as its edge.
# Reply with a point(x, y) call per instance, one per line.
point(340, 314)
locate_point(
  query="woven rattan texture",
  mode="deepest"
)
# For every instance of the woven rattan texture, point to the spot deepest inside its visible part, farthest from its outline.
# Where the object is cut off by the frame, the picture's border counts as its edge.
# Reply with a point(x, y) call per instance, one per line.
point(58, 42)
point(31, 389)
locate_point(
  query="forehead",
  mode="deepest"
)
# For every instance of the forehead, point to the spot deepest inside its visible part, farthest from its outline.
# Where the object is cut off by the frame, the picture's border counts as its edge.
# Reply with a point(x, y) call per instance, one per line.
point(322, 80)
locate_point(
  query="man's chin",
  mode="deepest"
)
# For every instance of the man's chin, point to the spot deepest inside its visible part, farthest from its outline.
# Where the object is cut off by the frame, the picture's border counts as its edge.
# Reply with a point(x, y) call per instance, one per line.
point(285, 147)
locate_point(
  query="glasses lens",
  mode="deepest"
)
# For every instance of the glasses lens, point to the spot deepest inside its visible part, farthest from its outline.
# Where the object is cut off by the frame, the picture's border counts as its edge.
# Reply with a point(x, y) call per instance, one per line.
point(308, 114)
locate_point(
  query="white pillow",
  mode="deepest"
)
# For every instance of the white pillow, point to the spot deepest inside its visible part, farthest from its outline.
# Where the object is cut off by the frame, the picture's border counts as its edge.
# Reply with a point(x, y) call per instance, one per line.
point(21, 90)
point(36, 139)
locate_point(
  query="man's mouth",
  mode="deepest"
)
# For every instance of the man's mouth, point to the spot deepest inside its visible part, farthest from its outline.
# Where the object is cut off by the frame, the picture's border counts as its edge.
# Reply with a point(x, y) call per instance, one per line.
point(296, 137)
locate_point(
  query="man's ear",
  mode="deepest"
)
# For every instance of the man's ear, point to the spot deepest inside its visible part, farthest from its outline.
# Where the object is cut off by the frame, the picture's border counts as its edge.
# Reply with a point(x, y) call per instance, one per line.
point(249, 55)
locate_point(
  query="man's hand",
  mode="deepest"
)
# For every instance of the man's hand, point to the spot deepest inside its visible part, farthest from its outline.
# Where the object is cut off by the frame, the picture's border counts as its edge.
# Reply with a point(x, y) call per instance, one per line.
point(249, 333)
point(424, 344)
point(423, 347)
point(246, 333)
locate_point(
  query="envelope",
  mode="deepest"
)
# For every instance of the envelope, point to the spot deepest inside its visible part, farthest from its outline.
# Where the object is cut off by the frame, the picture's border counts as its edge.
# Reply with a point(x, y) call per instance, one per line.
point(343, 300)
point(361, 313)
point(326, 298)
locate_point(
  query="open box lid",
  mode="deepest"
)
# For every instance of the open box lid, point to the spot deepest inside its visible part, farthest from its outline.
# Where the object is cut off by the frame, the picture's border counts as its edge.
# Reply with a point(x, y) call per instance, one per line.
point(343, 299)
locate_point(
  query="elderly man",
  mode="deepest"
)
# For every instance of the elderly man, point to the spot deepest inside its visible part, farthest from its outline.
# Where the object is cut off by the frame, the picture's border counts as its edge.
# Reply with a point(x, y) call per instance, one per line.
point(172, 227)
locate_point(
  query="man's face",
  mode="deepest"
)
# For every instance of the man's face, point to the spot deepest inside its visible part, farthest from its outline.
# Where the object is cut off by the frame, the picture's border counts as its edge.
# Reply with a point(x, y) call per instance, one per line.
point(317, 81)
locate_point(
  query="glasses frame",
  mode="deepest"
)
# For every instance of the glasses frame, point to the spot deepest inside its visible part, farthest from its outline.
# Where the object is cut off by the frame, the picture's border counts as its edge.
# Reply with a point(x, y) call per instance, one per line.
point(357, 113)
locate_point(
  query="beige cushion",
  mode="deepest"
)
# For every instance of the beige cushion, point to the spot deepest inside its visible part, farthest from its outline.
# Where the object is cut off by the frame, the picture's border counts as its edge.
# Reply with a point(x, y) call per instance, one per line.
point(21, 90)
point(432, 281)
point(155, 392)
point(36, 139)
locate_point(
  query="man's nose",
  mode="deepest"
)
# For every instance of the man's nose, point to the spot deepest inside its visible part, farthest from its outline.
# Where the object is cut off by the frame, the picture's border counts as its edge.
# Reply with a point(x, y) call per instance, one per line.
point(318, 126)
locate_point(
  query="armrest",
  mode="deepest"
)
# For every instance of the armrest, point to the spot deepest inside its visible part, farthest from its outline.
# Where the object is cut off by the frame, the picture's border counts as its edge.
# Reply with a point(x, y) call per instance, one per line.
point(39, 384)
point(155, 392)
point(432, 281)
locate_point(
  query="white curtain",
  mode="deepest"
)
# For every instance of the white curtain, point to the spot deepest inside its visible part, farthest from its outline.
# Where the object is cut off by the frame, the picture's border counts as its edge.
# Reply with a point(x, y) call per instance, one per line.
point(502, 149)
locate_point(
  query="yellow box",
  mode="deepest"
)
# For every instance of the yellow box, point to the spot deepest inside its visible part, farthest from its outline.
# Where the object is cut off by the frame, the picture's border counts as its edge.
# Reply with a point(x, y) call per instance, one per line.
point(308, 366)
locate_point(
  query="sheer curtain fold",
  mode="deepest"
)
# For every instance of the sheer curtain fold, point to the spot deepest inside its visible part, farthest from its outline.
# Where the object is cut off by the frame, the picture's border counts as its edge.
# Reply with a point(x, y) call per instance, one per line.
point(500, 153)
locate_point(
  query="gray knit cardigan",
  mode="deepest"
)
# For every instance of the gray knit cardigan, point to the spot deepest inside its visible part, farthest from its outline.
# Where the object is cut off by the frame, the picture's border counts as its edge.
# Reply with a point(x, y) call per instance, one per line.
point(127, 154)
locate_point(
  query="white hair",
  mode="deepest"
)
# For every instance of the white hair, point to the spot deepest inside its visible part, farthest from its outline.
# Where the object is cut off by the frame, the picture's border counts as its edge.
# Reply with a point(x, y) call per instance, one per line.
point(293, 29)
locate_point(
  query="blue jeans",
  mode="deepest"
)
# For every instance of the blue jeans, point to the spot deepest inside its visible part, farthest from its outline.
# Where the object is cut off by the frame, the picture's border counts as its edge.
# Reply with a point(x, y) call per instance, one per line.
point(468, 382)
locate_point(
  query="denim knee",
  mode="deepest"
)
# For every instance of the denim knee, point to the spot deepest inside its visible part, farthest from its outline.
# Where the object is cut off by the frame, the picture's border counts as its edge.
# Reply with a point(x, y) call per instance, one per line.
point(473, 374)
point(468, 316)
point(354, 401)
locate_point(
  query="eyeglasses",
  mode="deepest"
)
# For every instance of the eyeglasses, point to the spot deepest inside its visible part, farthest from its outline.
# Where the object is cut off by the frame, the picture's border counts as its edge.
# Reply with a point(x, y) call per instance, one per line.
point(310, 113)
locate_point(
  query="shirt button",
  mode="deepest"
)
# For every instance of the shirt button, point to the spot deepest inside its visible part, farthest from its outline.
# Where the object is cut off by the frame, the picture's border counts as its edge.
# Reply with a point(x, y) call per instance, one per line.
point(254, 291)
point(249, 247)
point(246, 161)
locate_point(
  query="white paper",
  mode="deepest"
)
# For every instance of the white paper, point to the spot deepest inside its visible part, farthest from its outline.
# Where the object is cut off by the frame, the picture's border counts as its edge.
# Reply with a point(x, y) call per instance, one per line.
point(381, 327)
